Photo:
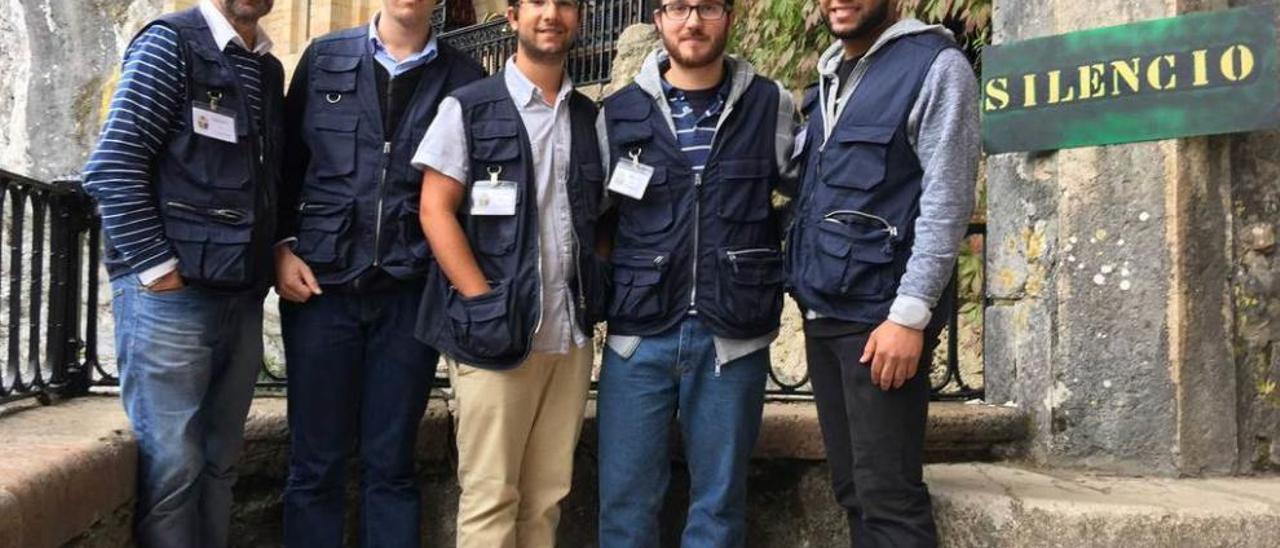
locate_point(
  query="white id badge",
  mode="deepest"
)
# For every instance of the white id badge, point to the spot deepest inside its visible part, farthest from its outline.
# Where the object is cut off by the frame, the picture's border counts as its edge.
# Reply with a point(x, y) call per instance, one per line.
point(213, 122)
point(492, 197)
point(631, 178)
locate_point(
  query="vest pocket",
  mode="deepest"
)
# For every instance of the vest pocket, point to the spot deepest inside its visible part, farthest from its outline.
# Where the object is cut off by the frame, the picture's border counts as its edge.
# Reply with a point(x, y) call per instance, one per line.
point(652, 214)
point(744, 190)
point(484, 325)
point(751, 284)
point(855, 156)
point(333, 145)
point(853, 260)
point(334, 75)
point(493, 234)
point(494, 141)
point(637, 294)
point(322, 231)
point(212, 243)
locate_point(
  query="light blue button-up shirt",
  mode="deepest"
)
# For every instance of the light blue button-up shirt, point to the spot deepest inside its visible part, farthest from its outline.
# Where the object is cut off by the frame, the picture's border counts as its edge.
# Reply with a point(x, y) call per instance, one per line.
point(397, 67)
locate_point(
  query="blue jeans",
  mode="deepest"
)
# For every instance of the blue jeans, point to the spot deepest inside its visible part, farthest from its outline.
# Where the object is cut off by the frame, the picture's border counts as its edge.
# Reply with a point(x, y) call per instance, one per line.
point(673, 376)
point(358, 383)
point(188, 362)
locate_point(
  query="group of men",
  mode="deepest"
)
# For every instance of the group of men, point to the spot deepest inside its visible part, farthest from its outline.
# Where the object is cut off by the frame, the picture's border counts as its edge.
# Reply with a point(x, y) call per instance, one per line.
point(404, 206)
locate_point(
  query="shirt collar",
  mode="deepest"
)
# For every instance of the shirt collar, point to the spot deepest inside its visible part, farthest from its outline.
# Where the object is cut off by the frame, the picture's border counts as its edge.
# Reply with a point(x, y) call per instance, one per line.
point(429, 51)
point(224, 33)
point(523, 91)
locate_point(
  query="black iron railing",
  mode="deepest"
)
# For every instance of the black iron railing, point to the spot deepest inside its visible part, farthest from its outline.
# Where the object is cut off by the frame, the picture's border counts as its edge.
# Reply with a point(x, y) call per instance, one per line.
point(591, 59)
point(49, 343)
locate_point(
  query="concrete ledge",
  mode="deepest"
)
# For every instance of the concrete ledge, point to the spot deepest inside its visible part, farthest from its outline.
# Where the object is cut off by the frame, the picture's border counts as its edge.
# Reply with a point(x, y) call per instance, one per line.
point(998, 506)
point(67, 473)
point(63, 469)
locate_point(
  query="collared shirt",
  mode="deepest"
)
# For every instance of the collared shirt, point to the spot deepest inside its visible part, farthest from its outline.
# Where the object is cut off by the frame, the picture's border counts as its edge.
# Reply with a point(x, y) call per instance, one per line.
point(396, 67)
point(549, 130)
point(224, 33)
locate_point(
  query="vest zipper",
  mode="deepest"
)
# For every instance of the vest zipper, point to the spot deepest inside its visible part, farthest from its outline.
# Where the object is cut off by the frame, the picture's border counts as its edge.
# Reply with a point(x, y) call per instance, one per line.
point(382, 181)
point(697, 222)
point(888, 227)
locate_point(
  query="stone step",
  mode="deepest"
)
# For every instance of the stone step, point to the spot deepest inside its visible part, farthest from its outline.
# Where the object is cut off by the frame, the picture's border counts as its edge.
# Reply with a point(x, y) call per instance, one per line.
point(67, 474)
point(1000, 506)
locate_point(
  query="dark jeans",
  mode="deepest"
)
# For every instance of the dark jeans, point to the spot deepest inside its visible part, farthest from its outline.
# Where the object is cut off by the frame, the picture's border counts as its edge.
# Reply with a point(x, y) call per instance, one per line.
point(358, 383)
point(875, 442)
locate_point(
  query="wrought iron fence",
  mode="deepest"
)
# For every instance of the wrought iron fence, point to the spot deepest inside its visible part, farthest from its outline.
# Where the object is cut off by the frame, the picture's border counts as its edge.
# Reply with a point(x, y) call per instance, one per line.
point(49, 344)
point(590, 60)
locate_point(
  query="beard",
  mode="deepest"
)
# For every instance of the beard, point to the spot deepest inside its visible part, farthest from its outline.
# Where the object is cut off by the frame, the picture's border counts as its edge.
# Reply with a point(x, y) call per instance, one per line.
point(548, 53)
point(873, 20)
point(711, 56)
point(248, 10)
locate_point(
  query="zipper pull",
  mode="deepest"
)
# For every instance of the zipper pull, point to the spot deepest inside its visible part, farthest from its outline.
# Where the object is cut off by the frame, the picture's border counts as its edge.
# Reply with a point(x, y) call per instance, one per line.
point(697, 180)
point(717, 367)
point(386, 147)
point(733, 261)
point(659, 260)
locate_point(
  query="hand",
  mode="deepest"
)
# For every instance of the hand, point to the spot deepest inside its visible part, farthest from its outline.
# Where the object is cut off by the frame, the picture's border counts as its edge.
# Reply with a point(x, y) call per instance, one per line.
point(893, 352)
point(171, 281)
point(294, 280)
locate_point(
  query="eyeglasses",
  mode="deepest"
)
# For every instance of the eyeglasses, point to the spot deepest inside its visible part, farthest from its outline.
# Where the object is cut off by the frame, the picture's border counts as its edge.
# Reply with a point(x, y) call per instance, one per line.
point(560, 4)
point(680, 11)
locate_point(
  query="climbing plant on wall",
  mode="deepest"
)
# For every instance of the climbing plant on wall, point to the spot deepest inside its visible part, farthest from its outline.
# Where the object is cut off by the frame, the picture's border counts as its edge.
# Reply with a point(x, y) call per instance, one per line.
point(782, 38)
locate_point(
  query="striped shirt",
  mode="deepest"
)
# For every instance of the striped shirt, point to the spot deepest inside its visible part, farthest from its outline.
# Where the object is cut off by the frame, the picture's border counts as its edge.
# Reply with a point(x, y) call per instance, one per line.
point(144, 112)
point(696, 123)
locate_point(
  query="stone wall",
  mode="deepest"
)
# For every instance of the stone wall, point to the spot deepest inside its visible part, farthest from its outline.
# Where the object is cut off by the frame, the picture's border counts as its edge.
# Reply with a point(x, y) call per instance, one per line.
point(1255, 211)
point(1119, 278)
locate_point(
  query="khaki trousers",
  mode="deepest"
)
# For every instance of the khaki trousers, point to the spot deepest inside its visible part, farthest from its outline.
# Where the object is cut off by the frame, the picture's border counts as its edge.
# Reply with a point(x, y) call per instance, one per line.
point(517, 431)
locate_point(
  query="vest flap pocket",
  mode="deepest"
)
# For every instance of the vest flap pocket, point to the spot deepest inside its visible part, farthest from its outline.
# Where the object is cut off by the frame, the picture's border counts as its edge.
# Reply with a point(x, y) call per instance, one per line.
point(637, 292)
point(484, 325)
point(865, 134)
point(481, 308)
point(495, 140)
point(322, 241)
point(867, 245)
point(744, 190)
point(631, 111)
point(334, 122)
point(207, 71)
point(856, 159)
point(185, 225)
point(333, 144)
point(335, 73)
point(652, 214)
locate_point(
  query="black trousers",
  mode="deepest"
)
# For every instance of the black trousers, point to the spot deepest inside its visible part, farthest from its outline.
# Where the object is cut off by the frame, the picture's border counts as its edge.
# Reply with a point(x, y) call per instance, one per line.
point(874, 441)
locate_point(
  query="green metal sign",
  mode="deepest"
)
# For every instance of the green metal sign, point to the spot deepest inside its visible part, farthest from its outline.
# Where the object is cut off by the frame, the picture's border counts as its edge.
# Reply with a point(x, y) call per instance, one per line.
point(1198, 74)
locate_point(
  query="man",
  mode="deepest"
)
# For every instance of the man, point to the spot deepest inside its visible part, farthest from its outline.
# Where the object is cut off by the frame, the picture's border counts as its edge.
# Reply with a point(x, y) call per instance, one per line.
point(511, 188)
point(185, 176)
point(892, 154)
point(351, 272)
point(698, 144)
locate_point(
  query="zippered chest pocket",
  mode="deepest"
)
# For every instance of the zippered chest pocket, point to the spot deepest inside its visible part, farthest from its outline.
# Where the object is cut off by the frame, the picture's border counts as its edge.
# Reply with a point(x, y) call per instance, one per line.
point(854, 256)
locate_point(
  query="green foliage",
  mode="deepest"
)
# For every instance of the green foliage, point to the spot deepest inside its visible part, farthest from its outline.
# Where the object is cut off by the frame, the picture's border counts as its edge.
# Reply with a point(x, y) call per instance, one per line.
point(783, 38)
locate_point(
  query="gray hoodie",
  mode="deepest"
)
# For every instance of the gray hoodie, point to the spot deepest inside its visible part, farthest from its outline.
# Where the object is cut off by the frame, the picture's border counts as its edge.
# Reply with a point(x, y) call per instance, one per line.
point(741, 73)
point(943, 130)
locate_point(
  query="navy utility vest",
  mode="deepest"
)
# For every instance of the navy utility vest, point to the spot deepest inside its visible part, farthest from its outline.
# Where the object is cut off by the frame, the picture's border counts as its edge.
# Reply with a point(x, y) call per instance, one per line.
point(854, 223)
point(358, 205)
point(217, 199)
point(707, 242)
point(495, 330)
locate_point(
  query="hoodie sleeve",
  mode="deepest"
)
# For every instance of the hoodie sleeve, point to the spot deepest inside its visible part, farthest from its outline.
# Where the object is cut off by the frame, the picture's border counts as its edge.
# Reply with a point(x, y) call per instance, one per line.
point(943, 127)
point(785, 142)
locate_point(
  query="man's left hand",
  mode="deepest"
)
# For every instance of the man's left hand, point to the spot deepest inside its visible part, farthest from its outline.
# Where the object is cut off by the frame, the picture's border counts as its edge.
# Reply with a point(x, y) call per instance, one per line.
point(893, 352)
